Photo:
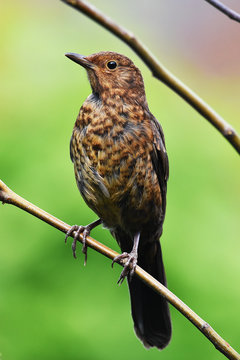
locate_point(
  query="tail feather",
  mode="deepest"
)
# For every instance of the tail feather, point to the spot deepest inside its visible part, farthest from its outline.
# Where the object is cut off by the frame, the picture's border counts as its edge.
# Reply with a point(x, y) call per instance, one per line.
point(150, 311)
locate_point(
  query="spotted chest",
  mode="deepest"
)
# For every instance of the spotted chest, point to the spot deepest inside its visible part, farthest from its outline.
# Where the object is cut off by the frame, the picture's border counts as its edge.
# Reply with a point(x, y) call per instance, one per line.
point(111, 151)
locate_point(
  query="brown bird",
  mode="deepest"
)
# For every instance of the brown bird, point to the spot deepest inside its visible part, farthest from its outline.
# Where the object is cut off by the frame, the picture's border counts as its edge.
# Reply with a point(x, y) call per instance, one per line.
point(121, 168)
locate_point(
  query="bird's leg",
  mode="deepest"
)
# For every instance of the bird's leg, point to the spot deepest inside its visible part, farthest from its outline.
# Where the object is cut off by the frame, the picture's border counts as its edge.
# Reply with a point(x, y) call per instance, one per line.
point(131, 260)
point(85, 230)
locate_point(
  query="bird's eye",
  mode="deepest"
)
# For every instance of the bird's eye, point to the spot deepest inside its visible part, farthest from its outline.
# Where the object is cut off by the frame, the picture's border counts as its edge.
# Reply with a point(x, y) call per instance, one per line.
point(112, 65)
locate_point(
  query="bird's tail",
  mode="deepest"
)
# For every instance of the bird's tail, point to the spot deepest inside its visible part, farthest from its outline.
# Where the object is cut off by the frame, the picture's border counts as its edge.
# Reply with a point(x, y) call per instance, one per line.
point(150, 311)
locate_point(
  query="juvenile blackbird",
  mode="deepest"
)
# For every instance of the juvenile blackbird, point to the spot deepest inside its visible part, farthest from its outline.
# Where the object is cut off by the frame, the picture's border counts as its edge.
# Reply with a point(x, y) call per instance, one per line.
point(121, 168)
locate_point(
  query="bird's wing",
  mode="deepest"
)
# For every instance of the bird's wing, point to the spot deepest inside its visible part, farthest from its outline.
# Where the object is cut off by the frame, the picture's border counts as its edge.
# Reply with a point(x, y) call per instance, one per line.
point(71, 154)
point(160, 159)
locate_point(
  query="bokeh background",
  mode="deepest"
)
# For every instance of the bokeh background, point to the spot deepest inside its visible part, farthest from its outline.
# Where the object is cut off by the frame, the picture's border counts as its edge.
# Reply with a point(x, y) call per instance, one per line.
point(51, 307)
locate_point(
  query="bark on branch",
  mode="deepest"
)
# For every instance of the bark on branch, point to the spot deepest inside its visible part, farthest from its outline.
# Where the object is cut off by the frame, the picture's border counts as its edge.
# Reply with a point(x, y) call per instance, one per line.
point(225, 10)
point(9, 197)
point(159, 71)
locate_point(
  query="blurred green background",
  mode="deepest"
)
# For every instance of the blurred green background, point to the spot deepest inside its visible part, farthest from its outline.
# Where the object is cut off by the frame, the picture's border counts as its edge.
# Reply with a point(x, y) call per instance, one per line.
point(51, 307)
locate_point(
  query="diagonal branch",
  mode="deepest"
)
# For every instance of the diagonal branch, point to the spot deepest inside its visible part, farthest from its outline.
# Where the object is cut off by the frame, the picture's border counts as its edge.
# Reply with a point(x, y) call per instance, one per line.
point(224, 9)
point(159, 71)
point(9, 197)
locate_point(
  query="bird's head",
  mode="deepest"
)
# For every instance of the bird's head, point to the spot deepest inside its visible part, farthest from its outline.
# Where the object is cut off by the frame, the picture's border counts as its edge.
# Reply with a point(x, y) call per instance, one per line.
point(112, 72)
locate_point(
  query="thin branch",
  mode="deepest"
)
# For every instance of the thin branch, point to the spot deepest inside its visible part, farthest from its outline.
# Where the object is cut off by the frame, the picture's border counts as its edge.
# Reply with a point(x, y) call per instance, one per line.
point(159, 71)
point(224, 9)
point(8, 196)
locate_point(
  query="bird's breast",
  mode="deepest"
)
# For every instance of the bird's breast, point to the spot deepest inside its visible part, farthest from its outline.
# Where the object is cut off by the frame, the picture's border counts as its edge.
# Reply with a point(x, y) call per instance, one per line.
point(112, 158)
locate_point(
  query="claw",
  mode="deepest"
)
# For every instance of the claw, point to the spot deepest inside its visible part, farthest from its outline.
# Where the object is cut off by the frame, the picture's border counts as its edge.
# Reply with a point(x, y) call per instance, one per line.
point(129, 265)
point(130, 262)
point(119, 258)
point(85, 230)
point(78, 230)
point(74, 246)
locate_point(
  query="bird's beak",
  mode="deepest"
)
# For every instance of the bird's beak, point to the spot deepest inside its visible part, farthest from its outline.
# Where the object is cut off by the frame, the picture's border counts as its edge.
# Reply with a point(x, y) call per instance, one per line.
point(80, 59)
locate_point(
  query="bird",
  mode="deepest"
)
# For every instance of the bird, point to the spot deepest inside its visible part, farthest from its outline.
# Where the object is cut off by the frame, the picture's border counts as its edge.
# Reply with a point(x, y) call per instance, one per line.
point(121, 169)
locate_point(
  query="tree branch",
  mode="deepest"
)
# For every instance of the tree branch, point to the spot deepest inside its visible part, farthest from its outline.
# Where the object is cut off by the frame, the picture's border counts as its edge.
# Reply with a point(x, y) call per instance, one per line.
point(9, 197)
point(224, 9)
point(159, 71)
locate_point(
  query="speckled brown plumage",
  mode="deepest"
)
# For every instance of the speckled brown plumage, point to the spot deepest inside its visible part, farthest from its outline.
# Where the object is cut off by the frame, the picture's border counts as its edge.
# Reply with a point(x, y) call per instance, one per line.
point(121, 169)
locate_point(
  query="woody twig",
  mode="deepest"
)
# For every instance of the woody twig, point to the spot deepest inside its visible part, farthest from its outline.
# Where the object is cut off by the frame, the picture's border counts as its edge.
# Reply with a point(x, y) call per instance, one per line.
point(10, 197)
point(159, 71)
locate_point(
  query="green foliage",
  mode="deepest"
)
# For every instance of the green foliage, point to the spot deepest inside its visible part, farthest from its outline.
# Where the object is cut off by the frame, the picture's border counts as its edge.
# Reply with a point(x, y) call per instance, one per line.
point(51, 307)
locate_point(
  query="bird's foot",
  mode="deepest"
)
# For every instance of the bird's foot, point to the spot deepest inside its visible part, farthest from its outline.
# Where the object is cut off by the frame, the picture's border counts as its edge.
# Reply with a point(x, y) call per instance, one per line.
point(85, 231)
point(78, 230)
point(129, 260)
